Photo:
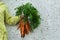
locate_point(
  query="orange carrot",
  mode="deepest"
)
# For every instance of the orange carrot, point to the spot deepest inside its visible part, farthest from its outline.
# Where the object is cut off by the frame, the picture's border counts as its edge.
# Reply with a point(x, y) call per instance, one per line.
point(27, 26)
point(22, 29)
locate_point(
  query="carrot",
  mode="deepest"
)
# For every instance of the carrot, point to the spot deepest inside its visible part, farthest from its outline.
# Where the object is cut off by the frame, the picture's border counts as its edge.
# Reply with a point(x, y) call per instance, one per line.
point(27, 27)
point(22, 29)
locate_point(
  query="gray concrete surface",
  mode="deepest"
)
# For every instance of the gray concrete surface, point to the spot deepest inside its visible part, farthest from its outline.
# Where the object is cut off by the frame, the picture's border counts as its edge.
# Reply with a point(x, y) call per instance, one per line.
point(50, 20)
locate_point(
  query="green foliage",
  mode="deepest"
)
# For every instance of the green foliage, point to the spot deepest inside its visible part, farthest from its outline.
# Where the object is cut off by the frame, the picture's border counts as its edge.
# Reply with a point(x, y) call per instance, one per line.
point(30, 13)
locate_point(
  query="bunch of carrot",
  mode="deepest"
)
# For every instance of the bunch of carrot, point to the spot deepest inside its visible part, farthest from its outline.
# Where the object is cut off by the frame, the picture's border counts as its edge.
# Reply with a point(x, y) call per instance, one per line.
point(24, 26)
point(29, 18)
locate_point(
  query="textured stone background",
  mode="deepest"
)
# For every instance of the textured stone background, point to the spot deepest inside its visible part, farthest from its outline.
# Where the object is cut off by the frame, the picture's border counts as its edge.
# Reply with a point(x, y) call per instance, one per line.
point(50, 20)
